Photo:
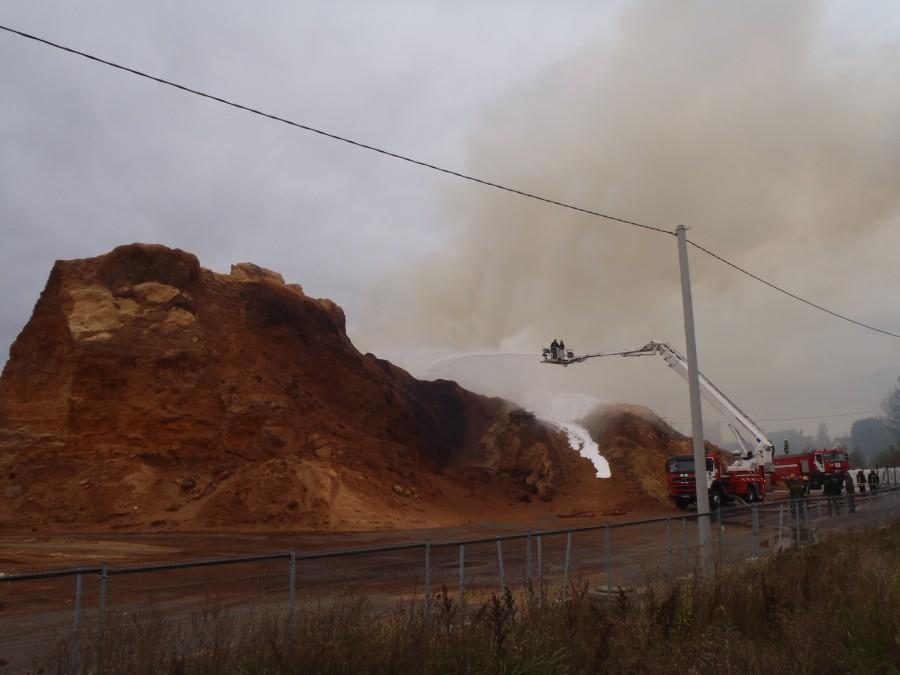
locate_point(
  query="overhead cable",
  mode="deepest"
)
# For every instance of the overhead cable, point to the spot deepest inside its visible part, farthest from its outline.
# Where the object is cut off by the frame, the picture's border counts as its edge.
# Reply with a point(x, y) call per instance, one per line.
point(869, 413)
point(788, 293)
point(434, 167)
point(336, 137)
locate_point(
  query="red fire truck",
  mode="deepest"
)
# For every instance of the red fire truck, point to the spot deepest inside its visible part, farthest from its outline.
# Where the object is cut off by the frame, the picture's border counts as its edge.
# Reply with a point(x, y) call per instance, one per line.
point(814, 464)
point(725, 483)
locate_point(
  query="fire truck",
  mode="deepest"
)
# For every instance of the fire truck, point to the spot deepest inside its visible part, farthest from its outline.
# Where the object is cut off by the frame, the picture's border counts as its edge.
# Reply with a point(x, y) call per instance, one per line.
point(727, 481)
point(814, 464)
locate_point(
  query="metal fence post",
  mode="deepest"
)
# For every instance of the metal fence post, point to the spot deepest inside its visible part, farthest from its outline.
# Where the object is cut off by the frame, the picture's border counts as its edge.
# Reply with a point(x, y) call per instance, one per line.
point(540, 564)
point(500, 564)
point(607, 555)
point(755, 513)
point(101, 616)
point(292, 585)
point(566, 567)
point(462, 576)
point(76, 627)
point(528, 560)
point(719, 540)
point(810, 532)
point(797, 520)
point(427, 574)
point(671, 571)
point(780, 523)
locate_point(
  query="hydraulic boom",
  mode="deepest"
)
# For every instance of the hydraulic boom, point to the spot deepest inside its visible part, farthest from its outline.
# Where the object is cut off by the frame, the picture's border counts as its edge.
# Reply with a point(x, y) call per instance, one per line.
point(756, 449)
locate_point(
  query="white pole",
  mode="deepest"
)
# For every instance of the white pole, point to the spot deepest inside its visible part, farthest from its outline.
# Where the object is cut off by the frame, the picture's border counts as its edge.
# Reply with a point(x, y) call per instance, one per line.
point(694, 390)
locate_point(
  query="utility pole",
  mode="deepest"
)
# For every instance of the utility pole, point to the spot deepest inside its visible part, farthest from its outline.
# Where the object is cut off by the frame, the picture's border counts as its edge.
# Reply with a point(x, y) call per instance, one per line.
point(694, 390)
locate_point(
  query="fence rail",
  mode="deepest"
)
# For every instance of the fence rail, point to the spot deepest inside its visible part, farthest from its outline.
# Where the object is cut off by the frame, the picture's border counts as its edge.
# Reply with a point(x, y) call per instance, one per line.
point(84, 603)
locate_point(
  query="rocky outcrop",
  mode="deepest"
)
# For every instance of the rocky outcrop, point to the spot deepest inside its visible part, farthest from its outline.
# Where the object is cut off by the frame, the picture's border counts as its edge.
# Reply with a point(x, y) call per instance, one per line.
point(149, 391)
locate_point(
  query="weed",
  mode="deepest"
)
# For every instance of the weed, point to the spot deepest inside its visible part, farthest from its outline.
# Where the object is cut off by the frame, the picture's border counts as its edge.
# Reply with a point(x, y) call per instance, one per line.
point(831, 608)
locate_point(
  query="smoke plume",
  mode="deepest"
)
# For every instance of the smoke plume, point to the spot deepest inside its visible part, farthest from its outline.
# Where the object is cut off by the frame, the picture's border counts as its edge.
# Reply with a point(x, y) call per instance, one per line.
point(751, 123)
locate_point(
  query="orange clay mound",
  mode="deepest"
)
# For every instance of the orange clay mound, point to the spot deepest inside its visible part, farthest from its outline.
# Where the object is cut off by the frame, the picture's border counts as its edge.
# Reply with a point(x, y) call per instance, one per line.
point(147, 392)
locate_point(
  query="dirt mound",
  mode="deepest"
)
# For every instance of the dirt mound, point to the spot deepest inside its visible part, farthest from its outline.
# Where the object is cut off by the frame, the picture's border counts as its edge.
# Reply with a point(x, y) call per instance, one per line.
point(149, 392)
point(636, 442)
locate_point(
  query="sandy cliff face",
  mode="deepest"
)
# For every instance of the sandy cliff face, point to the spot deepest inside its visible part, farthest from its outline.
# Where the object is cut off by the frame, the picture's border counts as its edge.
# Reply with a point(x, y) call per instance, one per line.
point(147, 391)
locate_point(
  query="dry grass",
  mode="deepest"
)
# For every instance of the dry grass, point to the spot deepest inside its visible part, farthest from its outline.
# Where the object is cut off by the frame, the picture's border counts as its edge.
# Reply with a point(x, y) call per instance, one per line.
point(832, 608)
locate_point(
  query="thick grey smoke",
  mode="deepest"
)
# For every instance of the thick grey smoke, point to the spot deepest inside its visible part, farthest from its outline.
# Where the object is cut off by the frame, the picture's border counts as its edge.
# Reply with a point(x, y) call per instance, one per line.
point(747, 122)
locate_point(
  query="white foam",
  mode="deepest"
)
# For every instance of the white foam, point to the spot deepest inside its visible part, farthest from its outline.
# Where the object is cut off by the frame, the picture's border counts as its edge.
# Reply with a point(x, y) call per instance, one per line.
point(560, 410)
point(580, 440)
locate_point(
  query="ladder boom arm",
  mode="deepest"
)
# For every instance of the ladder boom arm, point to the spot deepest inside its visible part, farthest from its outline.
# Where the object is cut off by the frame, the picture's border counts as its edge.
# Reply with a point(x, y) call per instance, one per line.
point(758, 449)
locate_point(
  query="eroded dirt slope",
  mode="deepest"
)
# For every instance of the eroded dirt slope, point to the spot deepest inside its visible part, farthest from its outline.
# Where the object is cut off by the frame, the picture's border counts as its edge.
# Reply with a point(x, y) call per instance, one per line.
point(149, 392)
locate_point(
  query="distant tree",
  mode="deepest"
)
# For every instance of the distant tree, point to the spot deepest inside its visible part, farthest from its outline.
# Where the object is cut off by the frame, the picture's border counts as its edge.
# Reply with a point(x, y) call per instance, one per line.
point(889, 457)
point(857, 459)
point(891, 408)
point(822, 440)
point(870, 436)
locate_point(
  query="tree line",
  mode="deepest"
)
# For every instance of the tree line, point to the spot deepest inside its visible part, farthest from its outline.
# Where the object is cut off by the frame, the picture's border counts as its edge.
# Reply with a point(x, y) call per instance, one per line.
point(872, 441)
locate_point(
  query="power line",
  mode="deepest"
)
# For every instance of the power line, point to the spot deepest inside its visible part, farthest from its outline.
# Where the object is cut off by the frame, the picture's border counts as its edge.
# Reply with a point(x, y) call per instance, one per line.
point(804, 417)
point(434, 167)
point(350, 141)
point(816, 417)
point(788, 293)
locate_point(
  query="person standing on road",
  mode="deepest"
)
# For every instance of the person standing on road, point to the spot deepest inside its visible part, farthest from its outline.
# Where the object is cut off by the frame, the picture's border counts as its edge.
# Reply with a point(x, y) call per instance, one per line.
point(815, 480)
point(861, 481)
point(873, 480)
point(851, 498)
point(832, 490)
point(797, 491)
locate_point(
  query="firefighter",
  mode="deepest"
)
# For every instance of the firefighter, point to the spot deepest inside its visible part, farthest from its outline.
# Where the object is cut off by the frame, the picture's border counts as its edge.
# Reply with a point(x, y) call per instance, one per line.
point(851, 498)
point(797, 491)
point(796, 488)
point(861, 481)
point(832, 490)
point(873, 480)
point(815, 481)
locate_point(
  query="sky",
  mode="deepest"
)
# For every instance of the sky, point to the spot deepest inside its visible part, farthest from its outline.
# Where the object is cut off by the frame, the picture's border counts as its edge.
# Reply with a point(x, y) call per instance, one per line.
point(768, 128)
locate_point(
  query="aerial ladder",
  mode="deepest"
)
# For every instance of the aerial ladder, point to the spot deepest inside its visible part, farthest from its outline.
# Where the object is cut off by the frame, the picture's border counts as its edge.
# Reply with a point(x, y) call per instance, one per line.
point(756, 449)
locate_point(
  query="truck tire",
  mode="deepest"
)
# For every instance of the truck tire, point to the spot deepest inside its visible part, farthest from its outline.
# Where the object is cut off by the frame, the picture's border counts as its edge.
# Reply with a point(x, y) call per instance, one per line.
point(682, 502)
point(715, 498)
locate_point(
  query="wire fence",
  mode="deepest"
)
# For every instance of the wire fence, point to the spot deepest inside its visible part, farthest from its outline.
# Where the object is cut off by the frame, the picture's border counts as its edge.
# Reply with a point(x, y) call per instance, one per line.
point(78, 609)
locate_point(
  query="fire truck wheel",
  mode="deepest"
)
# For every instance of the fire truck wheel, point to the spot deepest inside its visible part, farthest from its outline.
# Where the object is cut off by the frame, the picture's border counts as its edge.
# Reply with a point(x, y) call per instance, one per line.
point(715, 499)
point(752, 494)
point(682, 503)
